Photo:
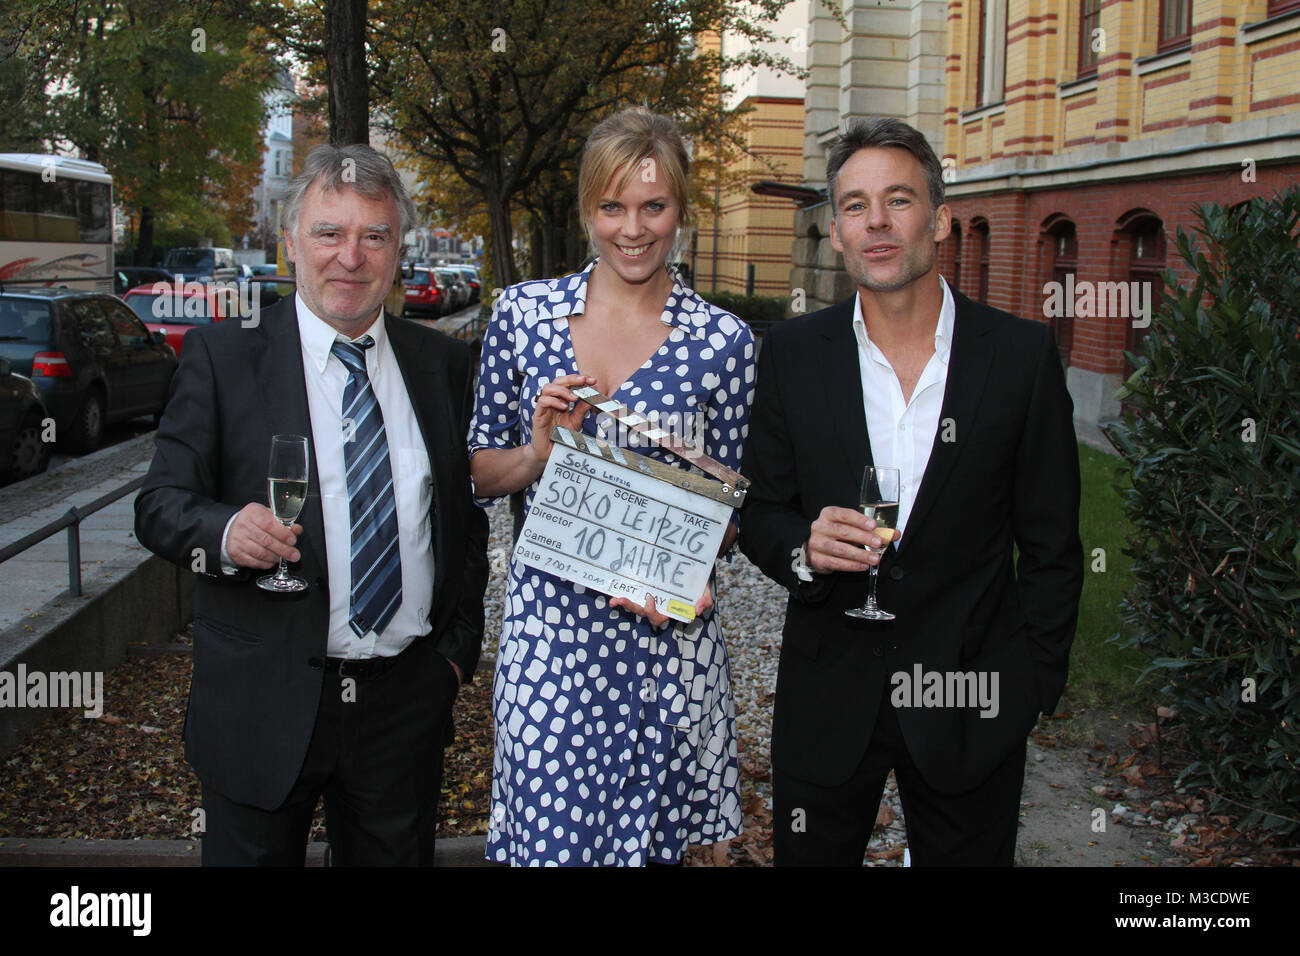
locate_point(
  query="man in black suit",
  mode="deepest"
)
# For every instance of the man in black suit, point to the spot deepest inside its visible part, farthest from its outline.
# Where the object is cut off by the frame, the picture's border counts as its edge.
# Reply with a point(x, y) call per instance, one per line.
point(345, 691)
point(970, 404)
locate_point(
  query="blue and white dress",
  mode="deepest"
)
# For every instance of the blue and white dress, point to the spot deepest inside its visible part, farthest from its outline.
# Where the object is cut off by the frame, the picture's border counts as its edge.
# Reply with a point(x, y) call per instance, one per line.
point(615, 744)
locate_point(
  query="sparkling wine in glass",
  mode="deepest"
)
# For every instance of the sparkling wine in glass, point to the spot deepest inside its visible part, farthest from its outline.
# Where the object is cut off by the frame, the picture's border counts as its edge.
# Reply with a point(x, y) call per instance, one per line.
point(287, 490)
point(878, 501)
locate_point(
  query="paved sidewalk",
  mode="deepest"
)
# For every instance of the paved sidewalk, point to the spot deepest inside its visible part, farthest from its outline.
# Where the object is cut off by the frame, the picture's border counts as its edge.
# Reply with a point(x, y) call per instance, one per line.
point(108, 547)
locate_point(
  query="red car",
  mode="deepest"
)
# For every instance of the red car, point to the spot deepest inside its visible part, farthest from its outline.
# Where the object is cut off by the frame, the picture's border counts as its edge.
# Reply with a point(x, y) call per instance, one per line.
point(424, 295)
point(174, 308)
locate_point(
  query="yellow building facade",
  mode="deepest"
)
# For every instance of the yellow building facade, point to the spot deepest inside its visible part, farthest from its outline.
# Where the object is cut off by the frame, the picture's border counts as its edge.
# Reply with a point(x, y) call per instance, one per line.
point(746, 249)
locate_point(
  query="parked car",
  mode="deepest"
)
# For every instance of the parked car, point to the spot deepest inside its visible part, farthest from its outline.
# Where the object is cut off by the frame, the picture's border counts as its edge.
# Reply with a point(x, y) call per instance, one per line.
point(425, 294)
point(202, 262)
point(91, 357)
point(22, 414)
point(173, 312)
point(470, 275)
point(268, 292)
point(128, 277)
point(457, 287)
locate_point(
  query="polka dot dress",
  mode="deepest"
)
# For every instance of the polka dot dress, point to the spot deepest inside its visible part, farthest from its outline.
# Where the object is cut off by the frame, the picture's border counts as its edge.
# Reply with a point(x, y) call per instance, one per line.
point(615, 744)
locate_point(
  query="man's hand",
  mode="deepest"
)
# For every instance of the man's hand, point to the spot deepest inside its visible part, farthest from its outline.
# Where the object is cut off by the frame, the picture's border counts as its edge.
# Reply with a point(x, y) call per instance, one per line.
point(258, 540)
point(839, 539)
point(460, 676)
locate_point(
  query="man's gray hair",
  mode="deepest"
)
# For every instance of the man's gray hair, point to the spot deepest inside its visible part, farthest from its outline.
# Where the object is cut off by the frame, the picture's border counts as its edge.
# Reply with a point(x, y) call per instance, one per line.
point(356, 166)
point(879, 132)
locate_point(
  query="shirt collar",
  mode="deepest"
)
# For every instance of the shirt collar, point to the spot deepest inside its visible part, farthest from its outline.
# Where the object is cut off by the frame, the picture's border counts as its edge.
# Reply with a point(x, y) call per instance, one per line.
point(318, 336)
point(942, 330)
point(542, 300)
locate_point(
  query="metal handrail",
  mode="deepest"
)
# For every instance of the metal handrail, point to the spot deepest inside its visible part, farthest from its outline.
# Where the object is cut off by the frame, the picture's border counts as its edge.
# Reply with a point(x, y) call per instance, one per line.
point(72, 521)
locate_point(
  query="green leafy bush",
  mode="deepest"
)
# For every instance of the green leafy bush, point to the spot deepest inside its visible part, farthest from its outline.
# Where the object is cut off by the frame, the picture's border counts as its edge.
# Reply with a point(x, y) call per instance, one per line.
point(1210, 444)
point(758, 311)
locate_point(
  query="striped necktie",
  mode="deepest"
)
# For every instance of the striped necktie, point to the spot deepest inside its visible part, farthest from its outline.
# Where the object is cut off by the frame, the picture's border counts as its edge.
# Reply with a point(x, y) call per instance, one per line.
point(376, 557)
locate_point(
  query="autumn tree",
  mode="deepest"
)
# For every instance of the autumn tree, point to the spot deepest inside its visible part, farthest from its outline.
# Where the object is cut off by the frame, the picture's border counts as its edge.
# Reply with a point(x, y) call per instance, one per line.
point(501, 95)
point(167, 95)
point(32, 35)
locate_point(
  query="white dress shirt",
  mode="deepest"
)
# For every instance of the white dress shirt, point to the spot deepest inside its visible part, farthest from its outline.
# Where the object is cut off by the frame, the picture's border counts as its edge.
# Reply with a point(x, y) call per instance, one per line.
point(326, 376)
point(412, 485)
point(902, 430)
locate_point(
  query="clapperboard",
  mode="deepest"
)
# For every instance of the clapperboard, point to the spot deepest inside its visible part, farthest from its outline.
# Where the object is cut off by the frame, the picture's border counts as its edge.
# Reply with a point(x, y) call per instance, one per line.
point(627, 525)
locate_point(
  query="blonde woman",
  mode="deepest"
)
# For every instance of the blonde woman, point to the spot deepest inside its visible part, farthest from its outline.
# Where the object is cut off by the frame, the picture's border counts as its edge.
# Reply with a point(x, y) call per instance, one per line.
point(615, 735)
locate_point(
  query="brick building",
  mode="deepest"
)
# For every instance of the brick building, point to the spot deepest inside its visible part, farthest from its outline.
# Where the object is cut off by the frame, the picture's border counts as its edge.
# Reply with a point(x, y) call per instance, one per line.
point(1078, 137)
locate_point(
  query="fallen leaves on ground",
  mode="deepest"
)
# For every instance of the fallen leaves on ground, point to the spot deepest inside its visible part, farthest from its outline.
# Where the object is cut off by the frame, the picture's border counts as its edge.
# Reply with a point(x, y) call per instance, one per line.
point(123, 776)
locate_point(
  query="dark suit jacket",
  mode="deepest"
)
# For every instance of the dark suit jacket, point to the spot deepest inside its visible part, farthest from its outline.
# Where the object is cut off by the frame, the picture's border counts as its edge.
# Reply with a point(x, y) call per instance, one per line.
point(1011, 476)
point(258, 657)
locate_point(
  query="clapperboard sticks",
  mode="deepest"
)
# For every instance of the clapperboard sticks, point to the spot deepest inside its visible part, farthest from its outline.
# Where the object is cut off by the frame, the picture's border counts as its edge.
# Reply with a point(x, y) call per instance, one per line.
point(734, 485)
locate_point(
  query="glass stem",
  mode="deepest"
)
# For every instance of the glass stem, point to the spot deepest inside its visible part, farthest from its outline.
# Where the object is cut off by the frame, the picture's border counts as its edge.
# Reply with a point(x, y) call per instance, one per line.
point(283, 573)
point(871, 599)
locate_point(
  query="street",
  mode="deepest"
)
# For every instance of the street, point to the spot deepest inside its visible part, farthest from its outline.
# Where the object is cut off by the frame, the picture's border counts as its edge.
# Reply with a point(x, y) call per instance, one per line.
point(119, 432)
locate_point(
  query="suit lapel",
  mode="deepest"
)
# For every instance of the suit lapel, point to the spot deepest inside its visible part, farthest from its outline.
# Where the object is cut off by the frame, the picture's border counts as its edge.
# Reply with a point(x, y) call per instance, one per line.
point(284, 401)
point(968, 368)
point(846, 416)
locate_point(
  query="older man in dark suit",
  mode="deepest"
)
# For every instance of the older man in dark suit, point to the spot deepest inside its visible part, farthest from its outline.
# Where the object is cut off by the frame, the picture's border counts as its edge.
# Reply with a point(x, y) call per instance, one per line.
point(970, 405)
point(346, 691)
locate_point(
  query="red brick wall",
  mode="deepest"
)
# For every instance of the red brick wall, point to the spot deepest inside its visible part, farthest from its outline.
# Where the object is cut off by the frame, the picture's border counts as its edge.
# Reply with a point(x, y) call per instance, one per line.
point(1019, 262)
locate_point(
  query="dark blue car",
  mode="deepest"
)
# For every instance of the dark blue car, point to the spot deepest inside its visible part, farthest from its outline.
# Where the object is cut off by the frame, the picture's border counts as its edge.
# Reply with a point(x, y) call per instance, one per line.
point(91, 357)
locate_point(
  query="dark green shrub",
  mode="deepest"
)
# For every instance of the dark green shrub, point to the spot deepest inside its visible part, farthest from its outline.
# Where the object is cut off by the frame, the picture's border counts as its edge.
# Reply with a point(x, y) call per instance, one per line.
point(1210, 444)
point(758, 311)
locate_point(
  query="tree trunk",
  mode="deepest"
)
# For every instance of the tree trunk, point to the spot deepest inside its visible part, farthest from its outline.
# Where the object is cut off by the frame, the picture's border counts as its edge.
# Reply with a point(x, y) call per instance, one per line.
point(503, 253)
point(575, 240)
point(534, 246)
point(345, 61)
point(144, 248)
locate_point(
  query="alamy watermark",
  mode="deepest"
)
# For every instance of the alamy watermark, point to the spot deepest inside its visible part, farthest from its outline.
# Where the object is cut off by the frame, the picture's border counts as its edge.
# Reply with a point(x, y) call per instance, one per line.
point(181, 300)
point(76, 909)
point(683, 426)
point(81, 689)
point(1105, 300)
point(948, 689)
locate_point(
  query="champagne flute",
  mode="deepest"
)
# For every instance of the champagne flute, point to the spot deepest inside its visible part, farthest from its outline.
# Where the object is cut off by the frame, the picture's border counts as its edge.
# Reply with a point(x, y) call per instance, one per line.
point(878, 501)
point(287, 488)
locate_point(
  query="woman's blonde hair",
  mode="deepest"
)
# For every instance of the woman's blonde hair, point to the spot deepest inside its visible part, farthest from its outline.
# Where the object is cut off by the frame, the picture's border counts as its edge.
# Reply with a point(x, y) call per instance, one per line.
point(628, 139)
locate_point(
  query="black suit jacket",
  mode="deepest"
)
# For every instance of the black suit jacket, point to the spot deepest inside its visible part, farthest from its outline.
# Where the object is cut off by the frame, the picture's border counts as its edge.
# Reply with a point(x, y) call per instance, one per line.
point(1010, 477)
point(258, 657)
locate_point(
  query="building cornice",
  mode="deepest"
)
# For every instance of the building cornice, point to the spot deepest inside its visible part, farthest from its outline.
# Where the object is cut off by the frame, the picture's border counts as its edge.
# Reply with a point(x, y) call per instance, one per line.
point(1264, 140)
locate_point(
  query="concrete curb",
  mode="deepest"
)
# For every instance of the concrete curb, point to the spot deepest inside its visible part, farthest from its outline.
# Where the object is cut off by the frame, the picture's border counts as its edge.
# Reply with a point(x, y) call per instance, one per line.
point(452, 851)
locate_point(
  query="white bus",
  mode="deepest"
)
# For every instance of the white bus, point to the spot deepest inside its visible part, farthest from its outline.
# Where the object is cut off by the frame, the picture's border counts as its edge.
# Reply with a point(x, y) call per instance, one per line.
point(56, 223)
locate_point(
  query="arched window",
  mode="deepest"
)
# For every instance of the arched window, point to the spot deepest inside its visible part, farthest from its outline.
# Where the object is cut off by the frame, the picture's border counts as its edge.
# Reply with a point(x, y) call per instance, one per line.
point(1146, 259)
point(954, 239)
point(1064, 257)
point(981, 229)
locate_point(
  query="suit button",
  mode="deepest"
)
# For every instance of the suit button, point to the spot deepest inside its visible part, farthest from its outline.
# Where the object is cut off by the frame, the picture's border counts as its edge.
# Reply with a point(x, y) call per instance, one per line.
point(315, 663)
point(877, 652)
point(896, 573)
point(893, 648)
